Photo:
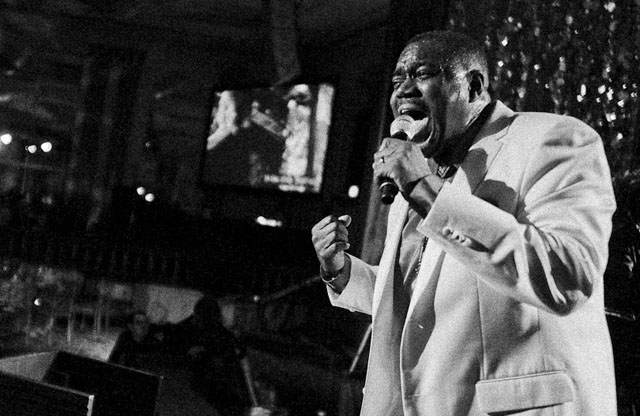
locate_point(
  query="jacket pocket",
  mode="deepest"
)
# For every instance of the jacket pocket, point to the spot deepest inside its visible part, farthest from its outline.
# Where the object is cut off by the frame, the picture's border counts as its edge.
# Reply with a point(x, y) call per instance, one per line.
point(524, 392)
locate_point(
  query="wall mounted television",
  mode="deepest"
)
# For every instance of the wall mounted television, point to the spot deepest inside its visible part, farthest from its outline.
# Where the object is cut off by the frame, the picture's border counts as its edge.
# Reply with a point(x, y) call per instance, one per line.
point(269, 138)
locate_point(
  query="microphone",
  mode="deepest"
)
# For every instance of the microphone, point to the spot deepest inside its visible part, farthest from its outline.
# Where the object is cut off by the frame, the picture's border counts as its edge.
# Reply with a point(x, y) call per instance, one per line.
point(401, 129)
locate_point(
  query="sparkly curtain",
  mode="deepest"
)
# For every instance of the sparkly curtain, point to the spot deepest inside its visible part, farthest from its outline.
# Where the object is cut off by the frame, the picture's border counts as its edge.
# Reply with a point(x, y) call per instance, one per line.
point(579, 58)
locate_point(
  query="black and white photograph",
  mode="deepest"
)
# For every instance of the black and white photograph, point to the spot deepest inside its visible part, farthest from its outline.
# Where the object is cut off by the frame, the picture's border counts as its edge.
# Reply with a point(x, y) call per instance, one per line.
point(319, 208)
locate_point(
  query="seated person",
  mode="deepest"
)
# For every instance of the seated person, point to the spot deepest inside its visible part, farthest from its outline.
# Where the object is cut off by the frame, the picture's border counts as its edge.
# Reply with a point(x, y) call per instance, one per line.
point(138, 339)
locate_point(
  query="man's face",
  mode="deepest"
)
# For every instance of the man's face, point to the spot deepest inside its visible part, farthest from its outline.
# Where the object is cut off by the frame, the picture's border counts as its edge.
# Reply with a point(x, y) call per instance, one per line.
point(422, 90)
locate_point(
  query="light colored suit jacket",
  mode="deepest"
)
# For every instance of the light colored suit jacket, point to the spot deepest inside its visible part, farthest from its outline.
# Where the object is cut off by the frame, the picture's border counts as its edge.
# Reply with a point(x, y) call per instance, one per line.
point(507, 315)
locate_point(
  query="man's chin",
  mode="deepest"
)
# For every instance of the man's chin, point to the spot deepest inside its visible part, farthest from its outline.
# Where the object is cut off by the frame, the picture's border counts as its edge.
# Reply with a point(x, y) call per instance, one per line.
point(427, 138)
point(430, 147)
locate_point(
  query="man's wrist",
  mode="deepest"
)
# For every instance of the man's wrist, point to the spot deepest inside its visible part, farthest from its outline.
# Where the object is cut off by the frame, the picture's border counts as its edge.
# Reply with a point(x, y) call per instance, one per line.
point(337, 280)
point(330, 276)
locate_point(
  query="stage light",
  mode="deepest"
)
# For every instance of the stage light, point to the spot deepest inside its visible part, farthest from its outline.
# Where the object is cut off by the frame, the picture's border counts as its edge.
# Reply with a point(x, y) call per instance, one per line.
point(46, 147)
point(32, 148)
point(269, 222)
point(140, 190)
point(6, 138)
point(149, 197)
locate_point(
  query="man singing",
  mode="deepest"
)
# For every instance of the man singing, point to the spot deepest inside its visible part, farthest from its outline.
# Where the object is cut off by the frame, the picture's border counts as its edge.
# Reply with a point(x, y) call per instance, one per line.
point(488, 298)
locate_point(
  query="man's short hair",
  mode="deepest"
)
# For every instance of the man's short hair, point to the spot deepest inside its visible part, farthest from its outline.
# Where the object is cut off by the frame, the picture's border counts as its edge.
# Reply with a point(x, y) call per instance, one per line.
point(455, 51)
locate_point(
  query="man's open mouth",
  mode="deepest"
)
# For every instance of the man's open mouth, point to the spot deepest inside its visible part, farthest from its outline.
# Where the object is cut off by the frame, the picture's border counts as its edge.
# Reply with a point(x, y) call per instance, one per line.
point(412, 111)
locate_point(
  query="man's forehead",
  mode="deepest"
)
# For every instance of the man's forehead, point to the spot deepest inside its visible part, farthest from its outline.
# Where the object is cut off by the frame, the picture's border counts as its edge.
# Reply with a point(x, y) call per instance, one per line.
point(416, 55)
point(420, 51)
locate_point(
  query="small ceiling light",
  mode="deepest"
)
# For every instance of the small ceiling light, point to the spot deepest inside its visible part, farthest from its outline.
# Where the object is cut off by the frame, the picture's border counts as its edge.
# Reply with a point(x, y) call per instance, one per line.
point(32, 148)
point(46, 147)
point(6, 138)
point(140, 190)
point(149, 197)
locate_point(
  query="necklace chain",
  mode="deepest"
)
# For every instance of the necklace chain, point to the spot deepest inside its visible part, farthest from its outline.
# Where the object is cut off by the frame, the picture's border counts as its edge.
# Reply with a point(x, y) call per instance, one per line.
point(443, 171)
point(423, 246)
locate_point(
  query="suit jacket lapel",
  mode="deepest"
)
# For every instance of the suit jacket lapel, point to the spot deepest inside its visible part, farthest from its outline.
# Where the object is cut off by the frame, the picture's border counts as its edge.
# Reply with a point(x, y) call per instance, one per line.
point(383, 381)
point(384, 279)
point(473, 169)
point(484, 149)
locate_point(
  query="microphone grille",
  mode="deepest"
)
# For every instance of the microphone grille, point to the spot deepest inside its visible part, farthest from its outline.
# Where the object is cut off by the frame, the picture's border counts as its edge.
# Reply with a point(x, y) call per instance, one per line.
point(403, 123)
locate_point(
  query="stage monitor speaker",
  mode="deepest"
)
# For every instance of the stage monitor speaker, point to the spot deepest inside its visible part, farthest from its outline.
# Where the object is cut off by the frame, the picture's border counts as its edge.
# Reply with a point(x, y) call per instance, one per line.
point(61, 384)
point(118, 390)
point(23, 393)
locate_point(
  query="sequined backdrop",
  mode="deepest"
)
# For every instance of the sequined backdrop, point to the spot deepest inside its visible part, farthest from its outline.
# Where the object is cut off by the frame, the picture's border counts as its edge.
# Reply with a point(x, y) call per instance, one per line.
point(579, 58)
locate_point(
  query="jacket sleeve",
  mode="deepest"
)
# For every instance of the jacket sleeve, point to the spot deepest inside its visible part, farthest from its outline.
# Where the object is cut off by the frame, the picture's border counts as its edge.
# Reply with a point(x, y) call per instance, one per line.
point(551, 250)
point(357, 296)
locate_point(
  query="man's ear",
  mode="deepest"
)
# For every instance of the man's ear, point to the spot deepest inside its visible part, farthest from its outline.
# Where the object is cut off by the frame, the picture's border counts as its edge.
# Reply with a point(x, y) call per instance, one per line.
point(476, 85)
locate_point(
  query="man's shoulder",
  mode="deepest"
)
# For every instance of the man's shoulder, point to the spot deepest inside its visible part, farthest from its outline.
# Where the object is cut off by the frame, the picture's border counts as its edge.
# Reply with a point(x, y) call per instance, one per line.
point(549, 120)
point(540, 126)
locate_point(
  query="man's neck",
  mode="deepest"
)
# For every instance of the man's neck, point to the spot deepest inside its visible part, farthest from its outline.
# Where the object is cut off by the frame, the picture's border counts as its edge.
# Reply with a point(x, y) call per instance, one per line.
point(455, 154)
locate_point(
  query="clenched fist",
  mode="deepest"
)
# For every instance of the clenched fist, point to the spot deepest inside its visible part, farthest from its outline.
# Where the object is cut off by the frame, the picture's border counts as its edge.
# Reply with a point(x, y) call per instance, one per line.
point(330, 239)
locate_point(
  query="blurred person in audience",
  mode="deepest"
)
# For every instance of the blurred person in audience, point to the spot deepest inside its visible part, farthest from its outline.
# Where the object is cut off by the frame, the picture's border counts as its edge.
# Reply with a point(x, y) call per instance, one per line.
point(214, 355)
point(622, 291)
point(137, 340)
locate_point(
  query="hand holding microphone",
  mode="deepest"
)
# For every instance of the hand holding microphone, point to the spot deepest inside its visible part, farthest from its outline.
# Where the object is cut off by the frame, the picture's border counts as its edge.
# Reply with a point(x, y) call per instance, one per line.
point(398, 161)
point(399, 130)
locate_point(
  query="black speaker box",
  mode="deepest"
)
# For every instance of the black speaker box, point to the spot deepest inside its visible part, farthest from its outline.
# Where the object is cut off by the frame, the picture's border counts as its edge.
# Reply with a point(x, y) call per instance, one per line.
point(61, 383)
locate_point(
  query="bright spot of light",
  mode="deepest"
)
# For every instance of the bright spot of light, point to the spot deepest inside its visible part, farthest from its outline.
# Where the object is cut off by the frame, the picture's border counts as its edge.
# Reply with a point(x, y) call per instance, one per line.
point(37, 302)
point(6, 138)
point(522, 91)
point(32, 148)
point(46, 147)
point(268, 222)
point(354, 191)
point(149, 197)
point(610, 6)
point(140, 190)
point(583, 89)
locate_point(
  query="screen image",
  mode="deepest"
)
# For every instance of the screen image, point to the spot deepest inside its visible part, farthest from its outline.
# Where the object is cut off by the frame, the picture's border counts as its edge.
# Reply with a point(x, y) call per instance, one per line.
point(269, 138)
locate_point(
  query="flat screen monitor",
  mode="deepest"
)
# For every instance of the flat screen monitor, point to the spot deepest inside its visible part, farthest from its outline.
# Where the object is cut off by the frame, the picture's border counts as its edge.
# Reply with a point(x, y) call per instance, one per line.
point(272, 138)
